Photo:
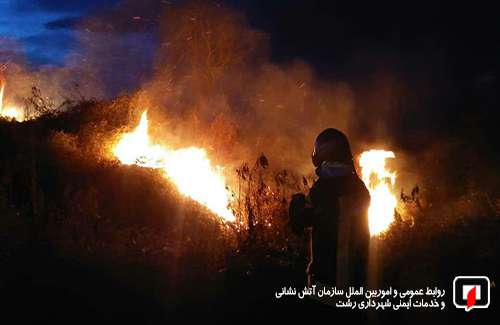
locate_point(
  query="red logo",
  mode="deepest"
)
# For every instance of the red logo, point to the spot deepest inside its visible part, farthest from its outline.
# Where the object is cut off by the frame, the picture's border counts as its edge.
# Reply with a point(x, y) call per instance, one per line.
point(471, 292)
point(471, 298)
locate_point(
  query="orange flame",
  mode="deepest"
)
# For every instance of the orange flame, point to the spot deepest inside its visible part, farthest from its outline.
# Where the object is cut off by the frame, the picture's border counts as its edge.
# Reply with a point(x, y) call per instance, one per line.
point(9, 112)
point(380, 184)
point(188, 168)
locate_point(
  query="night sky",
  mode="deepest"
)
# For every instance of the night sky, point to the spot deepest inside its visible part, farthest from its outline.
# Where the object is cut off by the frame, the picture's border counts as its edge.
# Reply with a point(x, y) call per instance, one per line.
point(327, 33)
point(25, 25)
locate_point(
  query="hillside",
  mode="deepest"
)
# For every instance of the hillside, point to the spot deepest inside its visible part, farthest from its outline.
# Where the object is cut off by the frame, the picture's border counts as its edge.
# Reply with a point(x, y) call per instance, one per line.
point(82, 234)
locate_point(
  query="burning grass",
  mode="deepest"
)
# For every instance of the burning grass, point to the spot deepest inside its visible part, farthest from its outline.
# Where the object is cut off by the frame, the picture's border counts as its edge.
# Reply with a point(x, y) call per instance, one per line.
point(7, 110)
point(62, 185)
point(188, 168)
point(380, 183)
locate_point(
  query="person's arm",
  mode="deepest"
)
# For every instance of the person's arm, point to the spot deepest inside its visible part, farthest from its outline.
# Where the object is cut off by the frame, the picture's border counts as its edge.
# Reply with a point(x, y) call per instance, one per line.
point(300, 213)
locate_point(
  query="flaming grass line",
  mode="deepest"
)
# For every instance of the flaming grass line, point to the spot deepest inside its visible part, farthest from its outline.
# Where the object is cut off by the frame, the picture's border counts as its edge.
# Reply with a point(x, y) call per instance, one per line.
point(188, 168)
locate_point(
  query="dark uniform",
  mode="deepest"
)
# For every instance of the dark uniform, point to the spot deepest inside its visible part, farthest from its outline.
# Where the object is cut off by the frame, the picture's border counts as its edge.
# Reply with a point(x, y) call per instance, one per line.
point(336, 210)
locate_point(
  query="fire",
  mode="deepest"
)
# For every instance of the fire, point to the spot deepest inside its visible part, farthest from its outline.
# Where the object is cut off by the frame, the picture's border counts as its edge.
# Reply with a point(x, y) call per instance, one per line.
point(9, 112)
point(188, 168)
point(380, 184)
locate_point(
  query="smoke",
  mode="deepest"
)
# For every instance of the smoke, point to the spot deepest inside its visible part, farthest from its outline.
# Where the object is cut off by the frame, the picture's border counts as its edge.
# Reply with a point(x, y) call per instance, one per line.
point(208, 79)
point(85, 50)
point(215, 85)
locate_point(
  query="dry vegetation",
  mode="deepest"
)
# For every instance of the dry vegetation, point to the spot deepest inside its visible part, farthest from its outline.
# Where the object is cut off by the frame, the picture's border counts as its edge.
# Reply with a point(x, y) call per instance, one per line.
point(60, 185)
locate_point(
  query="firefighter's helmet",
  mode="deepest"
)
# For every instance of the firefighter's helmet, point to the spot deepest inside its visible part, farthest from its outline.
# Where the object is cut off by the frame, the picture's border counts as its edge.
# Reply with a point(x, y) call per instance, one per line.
point(331, 145)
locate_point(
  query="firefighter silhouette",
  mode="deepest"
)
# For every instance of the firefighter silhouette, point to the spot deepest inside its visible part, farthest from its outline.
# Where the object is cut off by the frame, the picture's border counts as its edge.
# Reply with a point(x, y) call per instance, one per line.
point(336, 212)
